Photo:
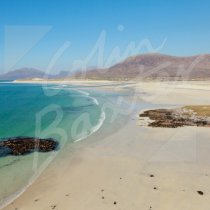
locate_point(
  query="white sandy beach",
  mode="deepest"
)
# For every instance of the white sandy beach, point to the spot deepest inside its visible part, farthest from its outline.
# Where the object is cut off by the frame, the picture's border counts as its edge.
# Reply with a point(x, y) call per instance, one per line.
point(135, 168)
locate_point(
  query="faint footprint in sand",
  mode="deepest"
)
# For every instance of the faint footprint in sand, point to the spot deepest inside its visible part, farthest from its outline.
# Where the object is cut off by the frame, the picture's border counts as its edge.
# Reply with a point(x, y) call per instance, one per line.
point(53, 206)
point(14, 206)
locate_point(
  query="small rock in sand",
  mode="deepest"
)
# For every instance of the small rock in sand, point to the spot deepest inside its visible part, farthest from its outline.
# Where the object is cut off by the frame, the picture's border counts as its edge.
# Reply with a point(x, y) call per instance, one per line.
point(200, 192)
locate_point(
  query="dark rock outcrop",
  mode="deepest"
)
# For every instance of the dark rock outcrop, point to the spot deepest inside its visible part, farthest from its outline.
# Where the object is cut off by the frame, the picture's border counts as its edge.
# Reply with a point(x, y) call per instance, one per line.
point(173, 118)
point(25, 145)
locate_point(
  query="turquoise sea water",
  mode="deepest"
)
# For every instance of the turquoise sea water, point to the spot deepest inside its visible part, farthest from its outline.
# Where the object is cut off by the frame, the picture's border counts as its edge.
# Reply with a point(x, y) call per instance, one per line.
point(61, 112)
point(24, 107)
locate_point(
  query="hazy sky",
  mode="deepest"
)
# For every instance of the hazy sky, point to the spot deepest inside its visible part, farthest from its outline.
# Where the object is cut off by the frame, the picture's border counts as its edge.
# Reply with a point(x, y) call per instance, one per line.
point(57, 33)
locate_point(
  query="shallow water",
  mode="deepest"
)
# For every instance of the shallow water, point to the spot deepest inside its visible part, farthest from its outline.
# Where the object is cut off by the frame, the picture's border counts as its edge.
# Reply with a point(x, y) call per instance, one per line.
point(59, 112)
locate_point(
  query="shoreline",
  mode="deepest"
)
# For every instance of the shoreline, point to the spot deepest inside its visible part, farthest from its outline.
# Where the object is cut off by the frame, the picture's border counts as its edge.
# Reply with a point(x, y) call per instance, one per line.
point(123, 162)
point(9, 199)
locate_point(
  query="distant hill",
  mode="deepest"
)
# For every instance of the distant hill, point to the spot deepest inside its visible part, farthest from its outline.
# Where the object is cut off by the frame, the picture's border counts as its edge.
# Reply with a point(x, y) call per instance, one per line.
point(140, 67)
point(30, 73)
point(24, 73)
point(151, 66)
point(61, 74)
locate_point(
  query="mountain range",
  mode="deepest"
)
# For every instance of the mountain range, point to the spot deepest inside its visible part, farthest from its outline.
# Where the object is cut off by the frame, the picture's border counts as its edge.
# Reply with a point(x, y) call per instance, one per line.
point(31, 73)
point(145, 66)
point(152, 66)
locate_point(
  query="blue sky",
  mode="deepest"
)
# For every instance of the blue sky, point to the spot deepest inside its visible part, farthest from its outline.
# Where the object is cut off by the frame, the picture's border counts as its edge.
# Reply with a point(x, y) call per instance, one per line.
point(32, 33)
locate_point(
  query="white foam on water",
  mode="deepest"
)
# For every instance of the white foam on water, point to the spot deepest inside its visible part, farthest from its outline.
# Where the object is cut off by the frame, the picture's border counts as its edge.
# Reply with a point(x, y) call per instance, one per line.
point(100, 121)
point(95, 101)
point(81, 91)
point(94, 128)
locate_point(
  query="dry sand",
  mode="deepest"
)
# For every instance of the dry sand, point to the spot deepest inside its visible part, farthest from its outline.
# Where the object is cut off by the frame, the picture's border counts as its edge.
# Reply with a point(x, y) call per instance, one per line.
point(135, 168)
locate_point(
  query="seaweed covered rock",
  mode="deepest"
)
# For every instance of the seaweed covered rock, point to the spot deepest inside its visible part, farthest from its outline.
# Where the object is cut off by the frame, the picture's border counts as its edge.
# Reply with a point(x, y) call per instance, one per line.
point(25, 145)
point(173, 118)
